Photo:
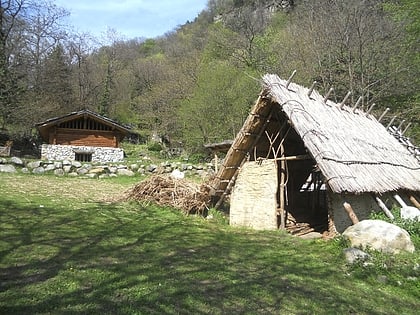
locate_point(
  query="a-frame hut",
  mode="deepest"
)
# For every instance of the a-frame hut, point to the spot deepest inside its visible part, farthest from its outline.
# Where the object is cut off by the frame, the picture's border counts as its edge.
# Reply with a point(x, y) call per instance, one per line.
point(303, 159)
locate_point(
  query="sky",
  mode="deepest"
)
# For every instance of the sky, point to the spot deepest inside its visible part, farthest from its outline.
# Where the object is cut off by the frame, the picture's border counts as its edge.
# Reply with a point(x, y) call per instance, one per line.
point(130, 18)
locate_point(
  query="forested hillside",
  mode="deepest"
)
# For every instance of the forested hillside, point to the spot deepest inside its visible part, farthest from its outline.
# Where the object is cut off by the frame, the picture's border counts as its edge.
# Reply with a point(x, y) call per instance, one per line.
point(196, 84)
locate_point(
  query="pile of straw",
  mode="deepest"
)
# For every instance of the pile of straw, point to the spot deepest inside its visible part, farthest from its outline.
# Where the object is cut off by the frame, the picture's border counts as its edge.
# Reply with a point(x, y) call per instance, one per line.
point(164, 190)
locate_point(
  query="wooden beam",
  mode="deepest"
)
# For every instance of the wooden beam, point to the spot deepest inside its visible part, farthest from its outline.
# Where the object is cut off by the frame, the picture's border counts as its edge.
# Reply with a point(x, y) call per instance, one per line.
point(294, 157)
point(282, 188)
point(351, 213)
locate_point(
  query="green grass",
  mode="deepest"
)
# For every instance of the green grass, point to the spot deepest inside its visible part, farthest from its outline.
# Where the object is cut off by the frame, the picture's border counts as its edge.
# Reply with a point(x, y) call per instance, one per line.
point(67, 248)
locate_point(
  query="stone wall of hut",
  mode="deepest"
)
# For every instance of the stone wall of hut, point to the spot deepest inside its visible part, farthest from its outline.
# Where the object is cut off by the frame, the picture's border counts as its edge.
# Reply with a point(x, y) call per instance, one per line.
point(253, 200)
point(363, 206)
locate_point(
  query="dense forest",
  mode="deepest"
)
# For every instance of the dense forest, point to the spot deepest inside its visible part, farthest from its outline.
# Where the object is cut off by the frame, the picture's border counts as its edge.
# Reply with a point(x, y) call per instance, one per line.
point(196, 84)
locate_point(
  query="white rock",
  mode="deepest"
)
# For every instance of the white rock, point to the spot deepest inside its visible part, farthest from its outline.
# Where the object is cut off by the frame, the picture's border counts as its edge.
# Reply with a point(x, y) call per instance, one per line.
point(410, 213)
point(379, 235)
point(7, 168)
point(177, 174)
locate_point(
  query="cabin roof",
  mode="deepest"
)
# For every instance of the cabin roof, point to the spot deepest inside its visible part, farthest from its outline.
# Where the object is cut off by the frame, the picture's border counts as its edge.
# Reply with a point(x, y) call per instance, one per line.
point(44, 126)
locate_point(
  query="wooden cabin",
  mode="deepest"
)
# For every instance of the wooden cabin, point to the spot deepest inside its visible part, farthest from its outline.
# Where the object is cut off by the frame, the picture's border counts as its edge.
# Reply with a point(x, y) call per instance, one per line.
point(300, 160)
point(83, 131)
point(82, 128)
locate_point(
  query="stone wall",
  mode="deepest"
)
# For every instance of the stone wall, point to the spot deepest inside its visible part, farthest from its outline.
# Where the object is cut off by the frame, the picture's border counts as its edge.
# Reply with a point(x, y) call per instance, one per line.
point(68, 152)
point(253, 202)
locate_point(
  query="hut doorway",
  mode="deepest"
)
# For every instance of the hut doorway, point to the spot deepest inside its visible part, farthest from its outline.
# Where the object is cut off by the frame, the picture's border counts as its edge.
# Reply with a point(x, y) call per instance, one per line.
point(303, 197)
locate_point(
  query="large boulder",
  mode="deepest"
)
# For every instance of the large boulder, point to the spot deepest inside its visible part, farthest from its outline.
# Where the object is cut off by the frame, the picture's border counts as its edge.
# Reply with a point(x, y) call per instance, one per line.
point(379, 235)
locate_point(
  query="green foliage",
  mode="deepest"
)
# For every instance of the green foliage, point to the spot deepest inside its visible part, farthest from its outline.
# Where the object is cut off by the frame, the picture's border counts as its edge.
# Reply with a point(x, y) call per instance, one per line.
point(218, 106)
point(411, 226)
point(154, 146)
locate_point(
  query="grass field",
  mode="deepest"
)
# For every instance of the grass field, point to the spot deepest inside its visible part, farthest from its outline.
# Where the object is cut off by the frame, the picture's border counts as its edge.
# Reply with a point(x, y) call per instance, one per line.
point(68, 246)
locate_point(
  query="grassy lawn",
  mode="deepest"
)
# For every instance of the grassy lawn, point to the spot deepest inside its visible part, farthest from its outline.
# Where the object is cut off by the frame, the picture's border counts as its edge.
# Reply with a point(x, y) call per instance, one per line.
point(67, 247)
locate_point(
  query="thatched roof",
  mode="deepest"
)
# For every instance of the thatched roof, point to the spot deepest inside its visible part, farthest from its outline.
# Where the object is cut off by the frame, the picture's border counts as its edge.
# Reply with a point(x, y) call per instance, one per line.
point(354, 152)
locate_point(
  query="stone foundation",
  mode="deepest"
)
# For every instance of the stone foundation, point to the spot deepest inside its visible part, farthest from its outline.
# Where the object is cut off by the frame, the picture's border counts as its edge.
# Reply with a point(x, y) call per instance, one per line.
point(68, 152)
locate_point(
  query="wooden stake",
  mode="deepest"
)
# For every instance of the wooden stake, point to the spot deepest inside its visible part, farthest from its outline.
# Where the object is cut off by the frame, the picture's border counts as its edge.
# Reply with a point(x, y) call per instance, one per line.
point(415, 202)
point(384, 208)
point(406, 128)
point(383, 114)
point(400, 125)
point(357, 103)
point(391, 122)
point(351, 213)
point(370, 109)
point(345, 99)
point(311, 89)
point(328, 94)
point(290, 79)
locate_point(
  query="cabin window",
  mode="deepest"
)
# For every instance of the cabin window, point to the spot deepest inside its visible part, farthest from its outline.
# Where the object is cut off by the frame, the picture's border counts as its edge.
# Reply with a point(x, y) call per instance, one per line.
point(83, 157)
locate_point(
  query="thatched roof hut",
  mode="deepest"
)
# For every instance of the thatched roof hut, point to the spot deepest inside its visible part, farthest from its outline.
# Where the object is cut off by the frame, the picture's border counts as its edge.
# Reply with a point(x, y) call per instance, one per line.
point(310, 137)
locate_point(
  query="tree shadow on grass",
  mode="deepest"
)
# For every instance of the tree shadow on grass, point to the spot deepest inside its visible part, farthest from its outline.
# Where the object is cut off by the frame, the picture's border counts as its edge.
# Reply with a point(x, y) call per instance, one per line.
point(128, 259)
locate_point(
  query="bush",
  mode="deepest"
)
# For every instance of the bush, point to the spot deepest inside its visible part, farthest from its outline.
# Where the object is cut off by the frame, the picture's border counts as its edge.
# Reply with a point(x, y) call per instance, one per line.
point(154, 147)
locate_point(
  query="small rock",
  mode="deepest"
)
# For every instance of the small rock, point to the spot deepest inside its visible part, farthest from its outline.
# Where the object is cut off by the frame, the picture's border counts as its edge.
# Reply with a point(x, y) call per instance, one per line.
point(38, 170)
point(59, 172)
point(76, 164)
point(33, 165)
point(66, 162)
point(125, 172)
point(16, 161)
point(49, 167)
point(7, 168)
point(354, 255)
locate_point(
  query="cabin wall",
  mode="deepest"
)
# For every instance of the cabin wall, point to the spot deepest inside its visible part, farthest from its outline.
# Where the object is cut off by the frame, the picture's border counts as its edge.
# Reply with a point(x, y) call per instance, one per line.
point(363, 205)
point(253, 200)
point(68, 152)
point(78, 137)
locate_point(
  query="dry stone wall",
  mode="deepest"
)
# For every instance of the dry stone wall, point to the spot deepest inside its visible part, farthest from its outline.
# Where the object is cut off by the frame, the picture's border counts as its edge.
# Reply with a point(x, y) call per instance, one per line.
point(68, 152)
point(68, 167)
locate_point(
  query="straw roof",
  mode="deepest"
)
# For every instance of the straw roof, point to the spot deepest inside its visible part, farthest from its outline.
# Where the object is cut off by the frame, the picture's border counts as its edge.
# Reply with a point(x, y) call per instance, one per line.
point(354, 152)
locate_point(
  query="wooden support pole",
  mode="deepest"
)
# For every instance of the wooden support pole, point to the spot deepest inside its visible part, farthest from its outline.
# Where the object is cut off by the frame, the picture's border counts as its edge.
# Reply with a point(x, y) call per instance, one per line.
point(370, 109)
point(406, 128)
point(400, 125)
point(391, 122)
point(415, 202)
point(383, 114)
point(351, 213)
point(311, 89)
point(290, 79)
point(357, 103)
point(328, 94)
point(343, 102)
point(384, 208)
point(282, 189)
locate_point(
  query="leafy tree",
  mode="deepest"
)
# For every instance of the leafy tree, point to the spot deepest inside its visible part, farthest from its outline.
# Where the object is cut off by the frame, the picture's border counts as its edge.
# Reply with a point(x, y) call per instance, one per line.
point(9, 88)
point(218, 106)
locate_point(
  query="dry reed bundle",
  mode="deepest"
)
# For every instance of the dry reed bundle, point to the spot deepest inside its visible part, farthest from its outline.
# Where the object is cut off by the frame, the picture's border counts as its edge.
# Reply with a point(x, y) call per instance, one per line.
point(167, 191)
